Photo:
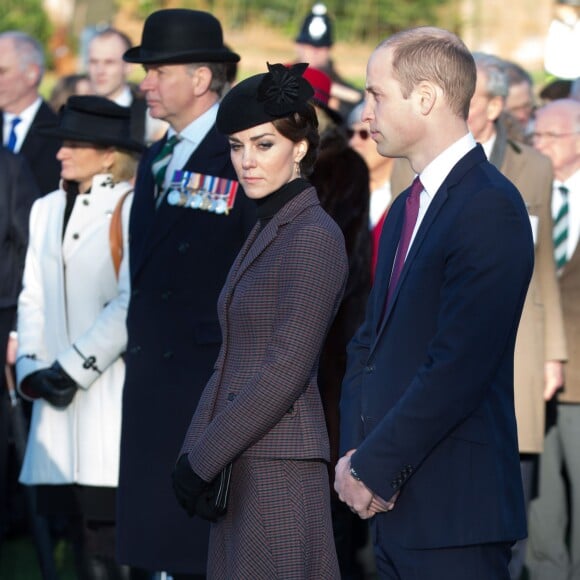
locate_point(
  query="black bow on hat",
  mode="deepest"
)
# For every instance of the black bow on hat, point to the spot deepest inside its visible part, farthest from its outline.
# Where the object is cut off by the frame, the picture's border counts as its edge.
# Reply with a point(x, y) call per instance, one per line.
point(94, 120)
point(265, 97)
point(179, 35)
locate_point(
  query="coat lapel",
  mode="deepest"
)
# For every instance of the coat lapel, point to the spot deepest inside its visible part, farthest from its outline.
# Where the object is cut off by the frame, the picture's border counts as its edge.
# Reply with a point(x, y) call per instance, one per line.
point(473, 157)
point(260, 240)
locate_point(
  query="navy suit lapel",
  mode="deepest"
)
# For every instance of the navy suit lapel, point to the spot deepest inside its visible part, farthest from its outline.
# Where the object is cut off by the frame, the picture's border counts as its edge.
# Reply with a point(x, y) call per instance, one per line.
point(472, 158)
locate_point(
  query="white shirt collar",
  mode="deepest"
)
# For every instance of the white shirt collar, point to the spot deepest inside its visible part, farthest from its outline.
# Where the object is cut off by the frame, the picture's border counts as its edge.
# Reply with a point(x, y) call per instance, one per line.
point(437, 171)
point(26, 118)
point(125, 98)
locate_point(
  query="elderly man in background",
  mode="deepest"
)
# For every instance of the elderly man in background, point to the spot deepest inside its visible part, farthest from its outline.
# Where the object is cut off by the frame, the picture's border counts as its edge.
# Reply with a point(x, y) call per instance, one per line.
point(540, 345)
point(23, 110)
point(554, 541)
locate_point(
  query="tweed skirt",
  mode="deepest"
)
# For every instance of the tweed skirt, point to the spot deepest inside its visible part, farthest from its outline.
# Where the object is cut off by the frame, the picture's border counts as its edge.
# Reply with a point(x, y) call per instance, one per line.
point(278, 524)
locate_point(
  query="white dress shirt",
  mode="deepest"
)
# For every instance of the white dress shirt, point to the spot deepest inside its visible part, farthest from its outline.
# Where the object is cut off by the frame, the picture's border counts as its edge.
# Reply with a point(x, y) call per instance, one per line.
point(26, 118)
point(433, 176)
point(191, 137)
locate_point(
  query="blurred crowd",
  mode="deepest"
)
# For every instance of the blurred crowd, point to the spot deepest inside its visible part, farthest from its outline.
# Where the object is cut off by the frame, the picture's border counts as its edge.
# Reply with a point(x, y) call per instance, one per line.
point(108, 320)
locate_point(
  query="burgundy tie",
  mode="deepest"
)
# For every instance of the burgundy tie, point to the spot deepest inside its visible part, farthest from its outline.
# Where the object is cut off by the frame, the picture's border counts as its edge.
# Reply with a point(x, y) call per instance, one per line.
point(411, 213)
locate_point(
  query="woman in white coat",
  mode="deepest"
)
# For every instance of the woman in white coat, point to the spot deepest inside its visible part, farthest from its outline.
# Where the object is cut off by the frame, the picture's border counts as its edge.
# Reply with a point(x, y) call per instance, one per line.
point(71, 328)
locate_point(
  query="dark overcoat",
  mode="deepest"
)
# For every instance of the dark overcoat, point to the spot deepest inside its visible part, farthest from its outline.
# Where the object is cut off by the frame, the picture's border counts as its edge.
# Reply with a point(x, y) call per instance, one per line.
point(262, 402)
point(40, 151)
point(179, 259)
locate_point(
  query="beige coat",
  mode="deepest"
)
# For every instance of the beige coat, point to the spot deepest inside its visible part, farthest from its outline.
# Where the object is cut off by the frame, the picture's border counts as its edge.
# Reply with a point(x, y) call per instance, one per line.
point(541, 334)
point(570, 292)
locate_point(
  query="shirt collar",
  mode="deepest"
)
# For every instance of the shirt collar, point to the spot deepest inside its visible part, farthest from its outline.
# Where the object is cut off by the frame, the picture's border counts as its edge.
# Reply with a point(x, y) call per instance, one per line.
point(125, 97)
point(198, 128)
point(437, 171)
point(26, 116)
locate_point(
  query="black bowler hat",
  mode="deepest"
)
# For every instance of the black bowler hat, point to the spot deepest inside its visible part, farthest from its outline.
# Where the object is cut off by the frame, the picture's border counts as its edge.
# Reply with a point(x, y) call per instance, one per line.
point(181, 36)
point(94, 120)
point(264, 98)
point(317, 28)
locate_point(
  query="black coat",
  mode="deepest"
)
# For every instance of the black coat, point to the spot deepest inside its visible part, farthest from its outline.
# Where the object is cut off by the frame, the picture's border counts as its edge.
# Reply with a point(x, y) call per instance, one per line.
point(17, 194)
point(179, 259)
point(40, 151)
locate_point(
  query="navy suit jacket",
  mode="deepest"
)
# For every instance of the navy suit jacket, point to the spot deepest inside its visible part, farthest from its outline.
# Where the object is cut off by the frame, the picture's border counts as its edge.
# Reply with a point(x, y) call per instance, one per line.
point(40, 151)
point(428, 395)
point(179, 259)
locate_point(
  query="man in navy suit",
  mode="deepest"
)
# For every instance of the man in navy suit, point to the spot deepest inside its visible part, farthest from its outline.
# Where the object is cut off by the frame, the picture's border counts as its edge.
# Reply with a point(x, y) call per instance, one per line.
point(22, 110)
point(180, 251)
point(428, 425)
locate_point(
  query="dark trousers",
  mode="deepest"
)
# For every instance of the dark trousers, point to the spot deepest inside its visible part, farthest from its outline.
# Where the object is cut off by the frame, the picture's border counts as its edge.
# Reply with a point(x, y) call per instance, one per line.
point(479, 562)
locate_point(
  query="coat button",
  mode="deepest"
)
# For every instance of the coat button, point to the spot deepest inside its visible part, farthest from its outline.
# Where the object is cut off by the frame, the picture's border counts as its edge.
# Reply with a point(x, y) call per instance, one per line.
point(86, 202)
point(168, 354)
point(183, 247)
point(75, 236)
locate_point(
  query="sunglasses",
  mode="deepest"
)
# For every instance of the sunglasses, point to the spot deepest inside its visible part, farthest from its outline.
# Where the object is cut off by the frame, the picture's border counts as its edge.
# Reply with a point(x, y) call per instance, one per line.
point(362, 133)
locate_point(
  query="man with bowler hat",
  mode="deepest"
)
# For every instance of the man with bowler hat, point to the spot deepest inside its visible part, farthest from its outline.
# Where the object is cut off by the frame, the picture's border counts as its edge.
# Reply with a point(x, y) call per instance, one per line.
point(188, 223)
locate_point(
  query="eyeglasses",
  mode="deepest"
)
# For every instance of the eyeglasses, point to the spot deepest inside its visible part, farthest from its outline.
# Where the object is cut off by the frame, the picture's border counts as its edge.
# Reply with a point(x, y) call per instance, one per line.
point(362, 133)
point(551, 135)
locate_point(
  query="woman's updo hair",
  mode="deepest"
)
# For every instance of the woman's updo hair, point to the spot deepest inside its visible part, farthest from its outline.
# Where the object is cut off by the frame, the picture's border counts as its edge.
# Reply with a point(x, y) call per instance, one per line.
point(299, 126)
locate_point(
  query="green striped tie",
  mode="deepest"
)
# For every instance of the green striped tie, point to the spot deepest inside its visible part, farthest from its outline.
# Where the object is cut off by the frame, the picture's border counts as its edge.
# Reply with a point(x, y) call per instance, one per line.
point(561, 231)
point(161, 161)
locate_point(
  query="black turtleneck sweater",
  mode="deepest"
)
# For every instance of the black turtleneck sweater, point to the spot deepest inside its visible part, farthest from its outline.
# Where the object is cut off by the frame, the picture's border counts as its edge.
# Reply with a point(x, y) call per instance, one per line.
point(270, 205)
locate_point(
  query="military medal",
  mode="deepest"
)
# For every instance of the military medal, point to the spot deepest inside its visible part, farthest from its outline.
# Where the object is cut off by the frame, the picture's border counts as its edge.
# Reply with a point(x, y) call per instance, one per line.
point(205, 192)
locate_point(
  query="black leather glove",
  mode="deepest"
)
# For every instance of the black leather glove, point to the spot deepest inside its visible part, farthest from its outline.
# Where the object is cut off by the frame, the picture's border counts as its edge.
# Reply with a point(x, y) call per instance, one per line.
point(53, 385)
point(187, 485)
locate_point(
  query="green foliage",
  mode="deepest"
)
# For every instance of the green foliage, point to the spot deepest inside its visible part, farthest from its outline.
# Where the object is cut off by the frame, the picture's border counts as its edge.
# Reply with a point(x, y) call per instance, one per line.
point(364, 20)
point(28, 16)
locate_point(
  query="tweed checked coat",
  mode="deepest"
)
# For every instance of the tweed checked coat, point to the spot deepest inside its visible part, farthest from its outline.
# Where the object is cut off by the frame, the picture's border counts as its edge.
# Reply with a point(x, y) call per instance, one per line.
point(262, 401)
point(179, 259)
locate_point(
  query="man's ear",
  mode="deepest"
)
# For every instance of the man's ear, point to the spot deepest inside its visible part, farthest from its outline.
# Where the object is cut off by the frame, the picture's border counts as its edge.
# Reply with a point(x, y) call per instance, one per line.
point(426, 95)
point(494, 108)
point(201, 79)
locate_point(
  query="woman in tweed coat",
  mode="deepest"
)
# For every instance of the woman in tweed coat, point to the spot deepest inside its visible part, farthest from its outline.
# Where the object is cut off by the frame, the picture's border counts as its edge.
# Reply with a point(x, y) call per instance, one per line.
point(261, 408)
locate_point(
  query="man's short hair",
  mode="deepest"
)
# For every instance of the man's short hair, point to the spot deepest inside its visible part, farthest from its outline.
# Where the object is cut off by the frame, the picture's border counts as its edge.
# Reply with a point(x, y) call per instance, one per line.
point(435, 55)
point(28, 49)
point(496, 80)
point(516, 74)
point(111, 32)
point(218, 70)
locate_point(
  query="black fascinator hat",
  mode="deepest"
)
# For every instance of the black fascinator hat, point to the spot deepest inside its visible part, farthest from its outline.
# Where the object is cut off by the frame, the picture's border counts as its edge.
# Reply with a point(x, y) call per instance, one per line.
point(264, 98)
